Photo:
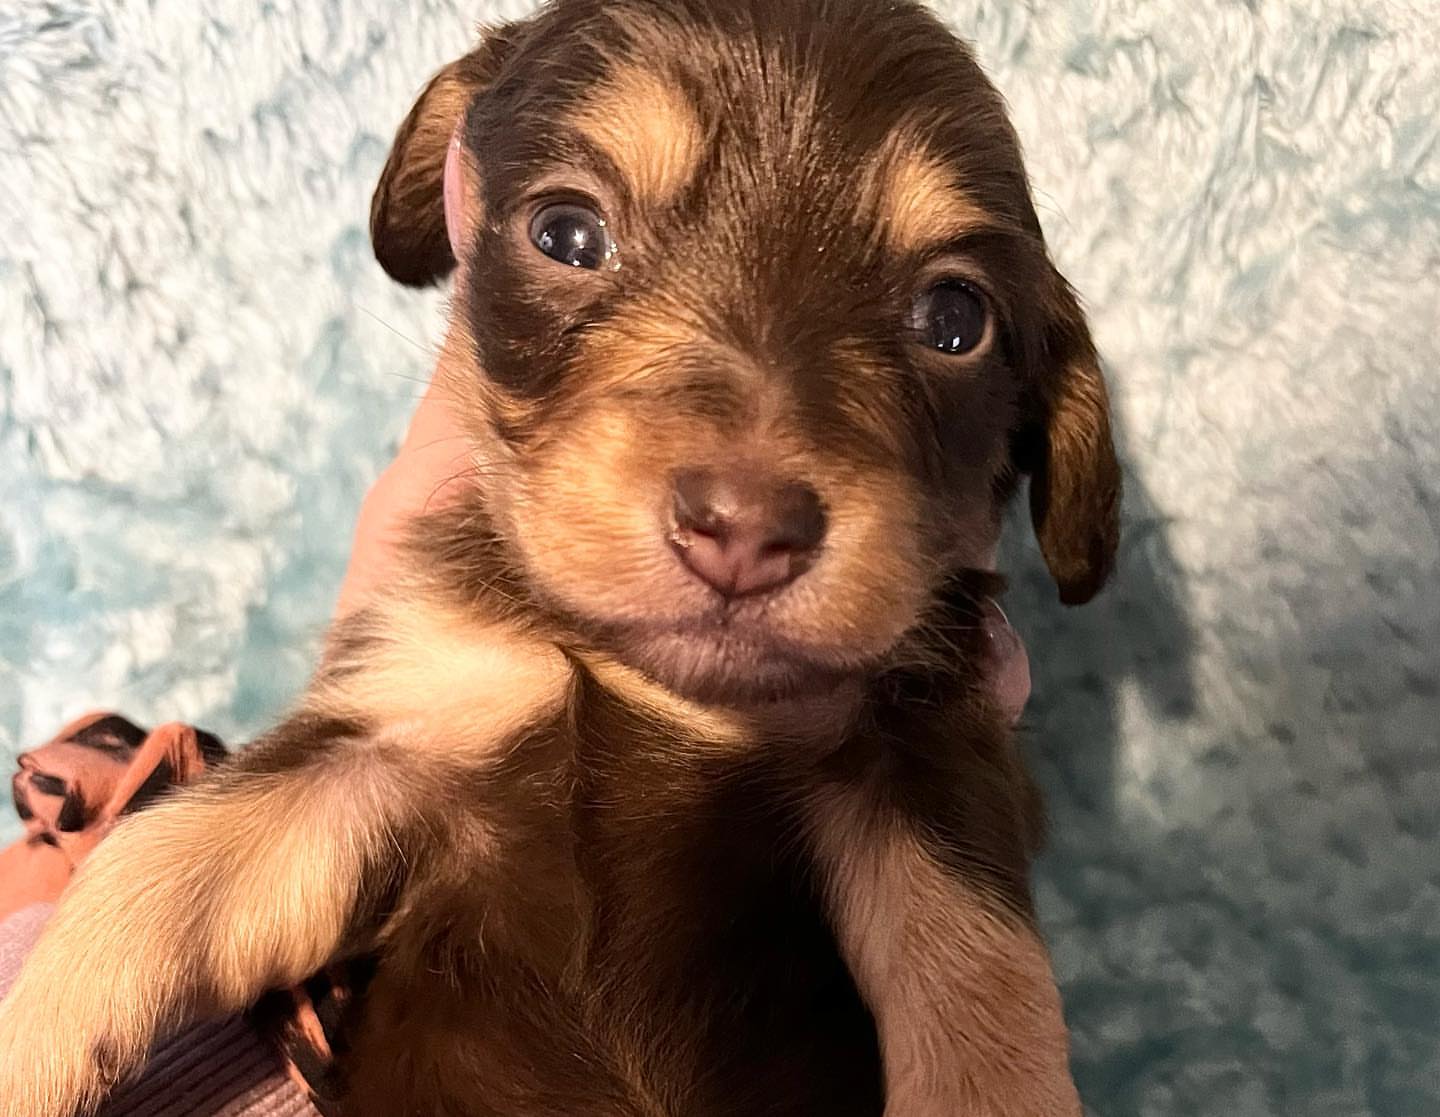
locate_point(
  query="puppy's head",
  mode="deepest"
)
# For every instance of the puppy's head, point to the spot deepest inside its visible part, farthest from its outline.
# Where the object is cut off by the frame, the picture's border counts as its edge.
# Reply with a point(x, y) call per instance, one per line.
point(757, 323)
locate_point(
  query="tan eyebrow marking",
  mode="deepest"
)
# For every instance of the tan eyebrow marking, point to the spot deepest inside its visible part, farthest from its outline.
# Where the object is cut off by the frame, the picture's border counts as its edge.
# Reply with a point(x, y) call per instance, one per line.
point(918, 199)
point(649, 127)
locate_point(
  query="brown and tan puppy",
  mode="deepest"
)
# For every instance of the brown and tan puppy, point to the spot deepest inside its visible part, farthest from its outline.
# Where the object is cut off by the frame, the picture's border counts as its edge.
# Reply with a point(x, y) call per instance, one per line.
point(667, 782)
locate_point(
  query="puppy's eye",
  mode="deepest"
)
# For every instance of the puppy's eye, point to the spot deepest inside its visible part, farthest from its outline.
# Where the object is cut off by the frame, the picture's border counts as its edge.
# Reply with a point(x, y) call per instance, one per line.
point(953, 317)
point(573, 235)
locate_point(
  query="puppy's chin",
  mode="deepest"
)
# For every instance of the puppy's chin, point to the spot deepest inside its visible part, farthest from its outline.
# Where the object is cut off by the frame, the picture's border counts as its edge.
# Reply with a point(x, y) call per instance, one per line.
point(741, 667)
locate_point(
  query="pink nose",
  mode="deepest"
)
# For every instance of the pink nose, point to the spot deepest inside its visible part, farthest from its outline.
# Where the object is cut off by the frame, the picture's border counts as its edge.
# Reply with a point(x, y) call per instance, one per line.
point(743, 534)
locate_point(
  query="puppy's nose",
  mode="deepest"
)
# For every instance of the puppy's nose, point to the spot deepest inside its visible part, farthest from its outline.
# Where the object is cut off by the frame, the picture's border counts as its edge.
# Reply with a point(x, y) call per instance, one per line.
point(742, 533)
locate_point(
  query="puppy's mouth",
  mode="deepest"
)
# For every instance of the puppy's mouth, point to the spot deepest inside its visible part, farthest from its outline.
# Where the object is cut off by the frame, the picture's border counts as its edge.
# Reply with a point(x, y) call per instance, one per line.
point(730, 658)
point(736, 658)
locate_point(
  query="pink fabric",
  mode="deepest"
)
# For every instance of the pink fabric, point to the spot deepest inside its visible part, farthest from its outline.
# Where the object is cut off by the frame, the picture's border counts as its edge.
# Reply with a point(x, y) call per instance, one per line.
point(17, 935)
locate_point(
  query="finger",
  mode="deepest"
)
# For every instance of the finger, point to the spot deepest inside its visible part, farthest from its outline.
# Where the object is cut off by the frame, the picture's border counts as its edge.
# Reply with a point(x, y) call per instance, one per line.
point(427, 473)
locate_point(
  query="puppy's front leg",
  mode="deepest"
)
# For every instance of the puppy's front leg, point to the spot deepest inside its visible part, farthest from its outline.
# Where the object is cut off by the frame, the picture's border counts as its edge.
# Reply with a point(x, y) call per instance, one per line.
point(246, 882)
point(961, 987)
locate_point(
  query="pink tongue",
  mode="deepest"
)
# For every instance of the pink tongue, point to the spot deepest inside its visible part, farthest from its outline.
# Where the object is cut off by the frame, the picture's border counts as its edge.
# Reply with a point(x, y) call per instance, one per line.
point(1009, 666)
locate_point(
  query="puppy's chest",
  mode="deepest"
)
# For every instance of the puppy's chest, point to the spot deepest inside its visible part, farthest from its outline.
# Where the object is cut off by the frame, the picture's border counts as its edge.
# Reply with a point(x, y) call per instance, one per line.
point(644, 908)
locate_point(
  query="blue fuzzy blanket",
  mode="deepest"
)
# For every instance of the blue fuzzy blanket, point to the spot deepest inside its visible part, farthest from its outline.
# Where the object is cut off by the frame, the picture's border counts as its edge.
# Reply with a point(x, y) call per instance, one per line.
point(201, 369)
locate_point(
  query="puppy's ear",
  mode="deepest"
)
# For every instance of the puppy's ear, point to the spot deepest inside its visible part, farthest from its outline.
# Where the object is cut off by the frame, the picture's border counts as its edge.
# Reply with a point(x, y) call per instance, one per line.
point(407, 214)
point(1075, 477)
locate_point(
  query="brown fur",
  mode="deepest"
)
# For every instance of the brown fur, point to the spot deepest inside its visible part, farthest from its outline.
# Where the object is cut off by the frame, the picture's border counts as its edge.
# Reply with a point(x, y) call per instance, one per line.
point(599, 844)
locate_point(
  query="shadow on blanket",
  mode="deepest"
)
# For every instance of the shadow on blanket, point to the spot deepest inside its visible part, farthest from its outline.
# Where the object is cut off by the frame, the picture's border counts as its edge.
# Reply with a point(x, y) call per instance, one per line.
point(1134, 643)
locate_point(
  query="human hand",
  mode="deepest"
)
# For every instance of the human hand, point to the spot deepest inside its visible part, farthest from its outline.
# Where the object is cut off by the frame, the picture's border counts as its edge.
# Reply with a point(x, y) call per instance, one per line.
point(424, 476)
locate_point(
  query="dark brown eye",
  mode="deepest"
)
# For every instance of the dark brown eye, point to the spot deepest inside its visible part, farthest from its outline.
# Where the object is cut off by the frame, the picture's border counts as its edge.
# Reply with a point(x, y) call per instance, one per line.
point(953, 317)
point(573, 235)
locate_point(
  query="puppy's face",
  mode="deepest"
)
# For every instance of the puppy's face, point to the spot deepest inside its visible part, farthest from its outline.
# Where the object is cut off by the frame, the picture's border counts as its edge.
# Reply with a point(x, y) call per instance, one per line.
point(758, 327)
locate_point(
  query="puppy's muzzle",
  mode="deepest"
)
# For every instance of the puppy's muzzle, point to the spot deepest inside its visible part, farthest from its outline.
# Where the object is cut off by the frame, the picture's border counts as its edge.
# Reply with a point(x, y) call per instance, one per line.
point(743, 533)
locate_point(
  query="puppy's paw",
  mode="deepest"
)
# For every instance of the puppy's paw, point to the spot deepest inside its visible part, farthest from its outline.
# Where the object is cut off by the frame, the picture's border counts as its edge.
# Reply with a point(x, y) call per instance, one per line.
point(50, 1066)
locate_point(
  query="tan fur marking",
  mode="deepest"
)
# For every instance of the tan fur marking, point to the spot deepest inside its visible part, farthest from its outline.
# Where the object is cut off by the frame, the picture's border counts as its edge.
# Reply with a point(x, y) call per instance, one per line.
point(920, 203)
point(962, 992)
point(713, 724)
point(649, 127)
point(446, 681)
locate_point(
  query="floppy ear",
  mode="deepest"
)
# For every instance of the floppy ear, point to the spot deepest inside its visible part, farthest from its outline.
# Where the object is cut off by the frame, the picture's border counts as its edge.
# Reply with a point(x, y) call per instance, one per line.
point(407, 215)
point(1075, 477)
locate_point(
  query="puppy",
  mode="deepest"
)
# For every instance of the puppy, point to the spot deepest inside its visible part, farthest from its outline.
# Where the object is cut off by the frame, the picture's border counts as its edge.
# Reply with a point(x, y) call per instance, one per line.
point(666, 781)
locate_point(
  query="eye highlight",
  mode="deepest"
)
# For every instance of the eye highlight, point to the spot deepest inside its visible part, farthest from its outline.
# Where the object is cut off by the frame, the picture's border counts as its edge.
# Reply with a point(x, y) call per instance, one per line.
point(573, 235)
point(953, 317)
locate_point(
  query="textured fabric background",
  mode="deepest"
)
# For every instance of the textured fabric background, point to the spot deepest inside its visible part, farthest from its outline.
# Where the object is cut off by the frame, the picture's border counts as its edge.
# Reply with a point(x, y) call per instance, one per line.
point(201, 369)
